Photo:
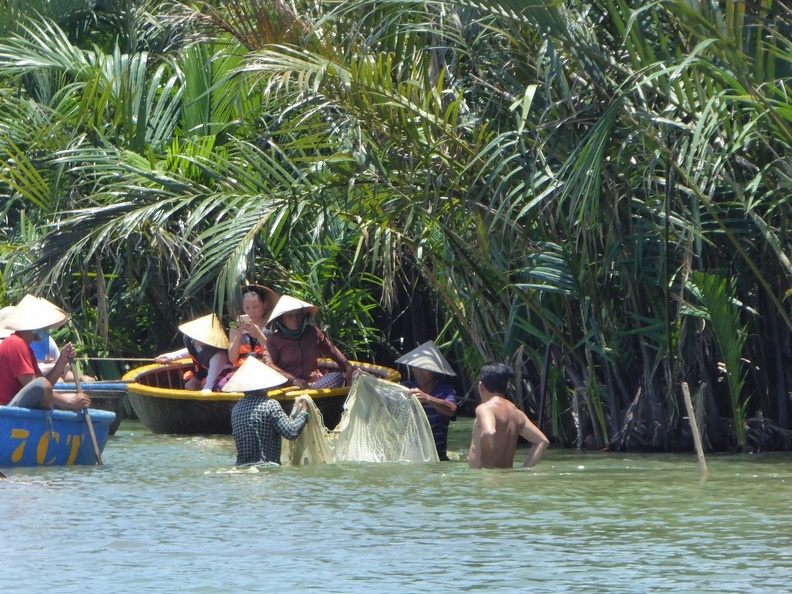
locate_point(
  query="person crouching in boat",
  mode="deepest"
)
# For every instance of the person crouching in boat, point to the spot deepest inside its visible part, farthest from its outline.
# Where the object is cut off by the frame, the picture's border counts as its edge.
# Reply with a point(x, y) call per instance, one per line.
point(294, 347)
point(206, 343)
point(251, 333)
point(257, 421)
point(22, 382)
point(438, 398)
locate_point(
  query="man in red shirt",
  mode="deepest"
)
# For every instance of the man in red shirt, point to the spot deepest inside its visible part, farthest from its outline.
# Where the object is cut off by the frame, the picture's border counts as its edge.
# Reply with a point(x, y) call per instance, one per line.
point(21, 381)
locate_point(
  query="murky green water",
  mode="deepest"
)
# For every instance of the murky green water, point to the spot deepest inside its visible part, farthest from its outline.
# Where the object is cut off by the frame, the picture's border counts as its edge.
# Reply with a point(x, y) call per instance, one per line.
point(163, 516)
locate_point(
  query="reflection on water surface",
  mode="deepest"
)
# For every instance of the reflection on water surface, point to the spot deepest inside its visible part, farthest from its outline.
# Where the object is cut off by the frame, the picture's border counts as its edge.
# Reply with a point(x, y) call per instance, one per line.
point(164, 515)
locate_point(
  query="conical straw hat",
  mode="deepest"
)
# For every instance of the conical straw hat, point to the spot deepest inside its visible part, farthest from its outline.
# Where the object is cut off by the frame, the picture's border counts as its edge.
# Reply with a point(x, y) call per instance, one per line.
point(207, 330)
point(268, 296)
point(427, 356)
point(32, 299)
point(253, 375)
point(4, 313)
point(288, 303)
point(35, 313)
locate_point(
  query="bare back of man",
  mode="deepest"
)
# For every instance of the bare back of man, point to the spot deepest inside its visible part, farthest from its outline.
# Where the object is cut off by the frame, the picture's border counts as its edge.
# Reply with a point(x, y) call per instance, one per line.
point(496, 429)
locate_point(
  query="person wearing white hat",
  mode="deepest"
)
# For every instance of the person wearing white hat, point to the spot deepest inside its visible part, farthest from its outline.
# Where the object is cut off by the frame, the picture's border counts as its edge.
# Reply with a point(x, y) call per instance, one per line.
point(4, 313)
point(249, 338)
point(294, 347)
point(206, 342)
point(44, 348)
point(22, 382)
point(499, 424)
point(257, 421)
point(438, 398)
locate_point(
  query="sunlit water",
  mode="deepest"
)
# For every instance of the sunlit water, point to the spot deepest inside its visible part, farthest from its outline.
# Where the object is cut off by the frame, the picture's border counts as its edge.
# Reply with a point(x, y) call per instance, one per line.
point(165, 515)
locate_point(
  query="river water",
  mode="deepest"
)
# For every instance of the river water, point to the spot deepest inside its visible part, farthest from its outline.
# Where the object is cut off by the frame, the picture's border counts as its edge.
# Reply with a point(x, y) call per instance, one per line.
point(165, 515)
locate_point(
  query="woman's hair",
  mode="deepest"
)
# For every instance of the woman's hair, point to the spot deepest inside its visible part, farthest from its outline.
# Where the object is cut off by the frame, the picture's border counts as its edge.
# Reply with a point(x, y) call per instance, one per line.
point(256, 293)
point(495, 377)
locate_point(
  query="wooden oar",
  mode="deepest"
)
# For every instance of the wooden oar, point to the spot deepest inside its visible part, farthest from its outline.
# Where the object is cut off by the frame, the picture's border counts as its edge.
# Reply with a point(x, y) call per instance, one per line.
point(88, 421)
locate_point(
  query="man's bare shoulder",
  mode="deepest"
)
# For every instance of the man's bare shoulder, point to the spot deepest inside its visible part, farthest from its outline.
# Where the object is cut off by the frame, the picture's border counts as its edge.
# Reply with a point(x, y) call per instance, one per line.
point(497, 405)
point(504, 402)
point(489, 405)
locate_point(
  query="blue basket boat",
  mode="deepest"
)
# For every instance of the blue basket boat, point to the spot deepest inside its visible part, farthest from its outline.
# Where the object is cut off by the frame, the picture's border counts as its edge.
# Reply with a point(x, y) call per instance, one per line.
point(104, 395)
point(32, 437)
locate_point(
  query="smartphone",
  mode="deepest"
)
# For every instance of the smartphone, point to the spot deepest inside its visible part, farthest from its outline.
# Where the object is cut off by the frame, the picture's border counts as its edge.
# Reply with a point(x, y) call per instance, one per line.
point(244, 319)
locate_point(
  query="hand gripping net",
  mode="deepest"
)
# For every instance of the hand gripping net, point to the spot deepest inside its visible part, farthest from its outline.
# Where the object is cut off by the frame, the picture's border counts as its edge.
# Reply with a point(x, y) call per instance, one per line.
point(381, 422)
point(312, 446)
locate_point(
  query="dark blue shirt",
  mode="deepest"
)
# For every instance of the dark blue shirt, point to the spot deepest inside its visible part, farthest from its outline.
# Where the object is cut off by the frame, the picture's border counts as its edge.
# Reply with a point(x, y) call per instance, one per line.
point(438, 421)
point(257, 424)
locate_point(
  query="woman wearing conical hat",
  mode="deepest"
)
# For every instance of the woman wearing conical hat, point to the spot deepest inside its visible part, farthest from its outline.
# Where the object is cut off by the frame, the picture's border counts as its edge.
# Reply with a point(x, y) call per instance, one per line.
point(22, 383)
point(294, 347)
point(439, 401)
point(206, 343)
point(258, 302)
point(257, 421)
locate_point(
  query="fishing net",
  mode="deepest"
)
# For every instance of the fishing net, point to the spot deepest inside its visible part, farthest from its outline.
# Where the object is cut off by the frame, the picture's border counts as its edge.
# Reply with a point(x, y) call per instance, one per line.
point(312, 446)
point(381, 422)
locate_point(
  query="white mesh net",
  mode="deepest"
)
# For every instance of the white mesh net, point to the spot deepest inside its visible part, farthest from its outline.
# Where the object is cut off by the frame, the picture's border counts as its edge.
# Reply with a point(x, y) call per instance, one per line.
point(381, 422)
point(312, 446)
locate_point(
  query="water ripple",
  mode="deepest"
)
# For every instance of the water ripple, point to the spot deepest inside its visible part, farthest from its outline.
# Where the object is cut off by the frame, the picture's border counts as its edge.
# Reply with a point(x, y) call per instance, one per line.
point(164, 514)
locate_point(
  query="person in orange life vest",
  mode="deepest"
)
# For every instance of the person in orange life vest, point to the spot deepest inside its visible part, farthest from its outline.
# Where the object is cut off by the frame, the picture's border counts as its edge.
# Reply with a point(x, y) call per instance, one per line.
point(257, 303)
point(22, 382)
point(294, 346)
point(206, 343)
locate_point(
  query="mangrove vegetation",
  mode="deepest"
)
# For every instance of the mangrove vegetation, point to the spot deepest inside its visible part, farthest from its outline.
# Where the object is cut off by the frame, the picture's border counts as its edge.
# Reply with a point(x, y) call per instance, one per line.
point(596, 192)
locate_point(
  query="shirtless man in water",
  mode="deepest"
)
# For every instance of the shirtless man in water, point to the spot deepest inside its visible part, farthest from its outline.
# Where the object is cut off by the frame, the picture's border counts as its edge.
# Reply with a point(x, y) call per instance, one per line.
point(499, 423)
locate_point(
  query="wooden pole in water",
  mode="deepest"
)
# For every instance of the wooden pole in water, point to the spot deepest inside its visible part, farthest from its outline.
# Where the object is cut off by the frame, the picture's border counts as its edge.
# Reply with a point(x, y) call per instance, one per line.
point(88, 421)
point(694, 426)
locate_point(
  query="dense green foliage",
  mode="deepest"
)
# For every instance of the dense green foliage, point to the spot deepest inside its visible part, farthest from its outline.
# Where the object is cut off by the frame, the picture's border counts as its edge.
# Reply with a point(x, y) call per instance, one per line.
point(597, 192)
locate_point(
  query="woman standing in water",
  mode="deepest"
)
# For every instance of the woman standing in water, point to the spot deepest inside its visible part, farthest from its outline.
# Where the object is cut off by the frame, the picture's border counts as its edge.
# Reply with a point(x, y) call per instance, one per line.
point(257, 303)
point(294, 347)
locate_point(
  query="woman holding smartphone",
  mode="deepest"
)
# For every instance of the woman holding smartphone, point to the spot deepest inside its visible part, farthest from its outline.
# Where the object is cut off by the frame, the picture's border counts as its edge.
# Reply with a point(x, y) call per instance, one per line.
point(258, 302)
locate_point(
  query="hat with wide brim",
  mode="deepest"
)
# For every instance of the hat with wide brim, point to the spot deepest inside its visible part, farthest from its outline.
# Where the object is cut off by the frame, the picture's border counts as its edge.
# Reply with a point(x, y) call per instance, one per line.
point(267, 295)
point(207, 330)
point(288, 303)
point(35, 313)
point(4, 313)
point(427, 356)
point(252, 376)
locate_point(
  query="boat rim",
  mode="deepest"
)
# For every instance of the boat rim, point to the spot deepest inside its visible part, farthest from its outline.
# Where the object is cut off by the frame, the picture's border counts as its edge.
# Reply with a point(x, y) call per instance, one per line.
point(287, 393)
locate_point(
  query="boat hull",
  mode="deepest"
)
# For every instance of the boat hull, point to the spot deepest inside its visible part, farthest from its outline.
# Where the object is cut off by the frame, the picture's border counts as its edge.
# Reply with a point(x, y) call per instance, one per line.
point(161, 403)
point(103, 395)
point(31, 437)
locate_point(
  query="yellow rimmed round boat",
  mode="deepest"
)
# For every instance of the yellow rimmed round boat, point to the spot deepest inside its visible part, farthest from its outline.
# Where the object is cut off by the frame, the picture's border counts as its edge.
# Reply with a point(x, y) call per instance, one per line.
point(157, 395)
